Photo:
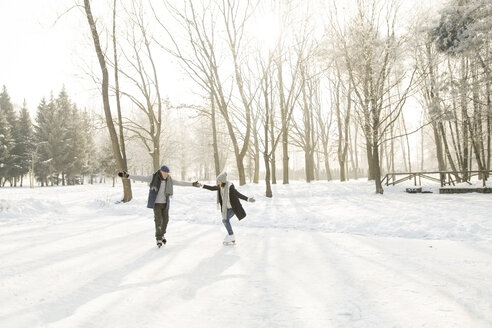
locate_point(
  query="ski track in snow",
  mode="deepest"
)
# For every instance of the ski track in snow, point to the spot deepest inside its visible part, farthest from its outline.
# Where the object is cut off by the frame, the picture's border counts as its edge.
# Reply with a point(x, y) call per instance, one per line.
point(316, 255)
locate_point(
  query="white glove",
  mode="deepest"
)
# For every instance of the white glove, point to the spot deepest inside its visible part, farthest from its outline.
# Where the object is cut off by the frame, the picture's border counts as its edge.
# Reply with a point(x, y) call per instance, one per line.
point(251, 200)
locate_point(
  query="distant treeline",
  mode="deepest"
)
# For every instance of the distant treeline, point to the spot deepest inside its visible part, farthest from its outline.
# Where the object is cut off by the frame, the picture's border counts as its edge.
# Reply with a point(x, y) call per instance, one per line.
point(58, 147)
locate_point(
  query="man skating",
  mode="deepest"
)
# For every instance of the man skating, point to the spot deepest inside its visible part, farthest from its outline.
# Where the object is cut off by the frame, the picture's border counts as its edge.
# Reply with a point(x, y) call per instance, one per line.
point(161, 189)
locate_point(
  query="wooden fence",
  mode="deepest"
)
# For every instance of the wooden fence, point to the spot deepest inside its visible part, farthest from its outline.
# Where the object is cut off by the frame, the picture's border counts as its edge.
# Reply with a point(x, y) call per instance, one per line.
point(445, 178)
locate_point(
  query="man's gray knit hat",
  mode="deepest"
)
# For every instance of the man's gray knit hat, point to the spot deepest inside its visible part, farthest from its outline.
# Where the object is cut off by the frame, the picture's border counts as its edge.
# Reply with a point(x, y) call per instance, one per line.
point(222, 177)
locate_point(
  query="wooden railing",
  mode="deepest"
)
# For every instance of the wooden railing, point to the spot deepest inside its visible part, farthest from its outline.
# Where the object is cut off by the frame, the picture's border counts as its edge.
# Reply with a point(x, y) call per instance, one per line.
point(445, 177)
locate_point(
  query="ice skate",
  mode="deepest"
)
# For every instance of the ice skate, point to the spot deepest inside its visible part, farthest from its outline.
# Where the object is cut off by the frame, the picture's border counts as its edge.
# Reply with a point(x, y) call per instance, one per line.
point(229, 240)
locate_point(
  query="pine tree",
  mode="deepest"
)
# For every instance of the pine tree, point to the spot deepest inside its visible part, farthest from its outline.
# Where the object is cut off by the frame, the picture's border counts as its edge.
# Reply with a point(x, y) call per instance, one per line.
point(63, 137)
point(76, 151)
point(6, 106)
point(464, 25)
point(63, 144)
point(8, 110)
point(6, 144)
point(24, 147)
point(43, 137)
point(107, 163)
point(89, 165)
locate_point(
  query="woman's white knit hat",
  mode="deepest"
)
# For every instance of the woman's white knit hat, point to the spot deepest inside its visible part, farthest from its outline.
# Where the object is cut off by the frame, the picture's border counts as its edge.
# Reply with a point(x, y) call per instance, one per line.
point(222, 177)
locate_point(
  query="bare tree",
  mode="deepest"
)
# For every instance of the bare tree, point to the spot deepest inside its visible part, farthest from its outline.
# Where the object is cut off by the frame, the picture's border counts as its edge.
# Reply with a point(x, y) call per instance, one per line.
point(307, 131)
point(428, 68)
point(371, 49)
point(199, 56)
point(341, 102)
point(271, 137)
point(288, 94)
point(127, 191)
point(267, 91)
point(142, 73)
point(117, 91)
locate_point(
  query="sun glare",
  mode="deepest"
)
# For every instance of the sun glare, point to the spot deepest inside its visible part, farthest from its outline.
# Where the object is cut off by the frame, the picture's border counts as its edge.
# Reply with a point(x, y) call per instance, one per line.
point(266, 31)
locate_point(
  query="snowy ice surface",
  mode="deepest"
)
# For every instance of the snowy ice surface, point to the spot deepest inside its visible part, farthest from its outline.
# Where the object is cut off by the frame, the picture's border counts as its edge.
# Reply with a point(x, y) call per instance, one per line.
point(315, 255)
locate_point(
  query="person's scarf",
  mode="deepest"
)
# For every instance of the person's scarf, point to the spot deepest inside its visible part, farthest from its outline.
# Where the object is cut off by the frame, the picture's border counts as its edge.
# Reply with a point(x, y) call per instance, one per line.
point(154, 184)
point(224, 192)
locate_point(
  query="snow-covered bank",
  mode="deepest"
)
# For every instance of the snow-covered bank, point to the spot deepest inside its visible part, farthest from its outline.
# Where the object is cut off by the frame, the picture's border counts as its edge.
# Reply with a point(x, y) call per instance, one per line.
point(318, 255)
point(351, 207)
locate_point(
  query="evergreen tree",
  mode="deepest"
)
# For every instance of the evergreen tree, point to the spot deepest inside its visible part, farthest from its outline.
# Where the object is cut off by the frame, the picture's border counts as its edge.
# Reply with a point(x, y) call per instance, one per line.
point(6, 144)
point(107, 163)
point(464, 25)
point(44, 140)
point(8, 110)
point(89, 165)
point(63, 144)
point(76, 155)
point(6, 106)
point(71, 162)
point(24, 147)
point(63, 137)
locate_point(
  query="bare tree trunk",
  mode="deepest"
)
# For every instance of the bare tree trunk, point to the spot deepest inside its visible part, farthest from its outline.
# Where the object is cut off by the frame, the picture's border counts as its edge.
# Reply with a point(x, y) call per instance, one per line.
point(284, 128)
point(214, 138)
point(438, 140)
point(354, 154)
point(256, 172)
point(329, 177)
point(391, 155)
point(105, 95)
point(370, 160)
point(489, 120)
point(476, 130)
point(377, 170)
point(341, 139)
point(273, 161)
point(306, 137)
point(422, 147)
point(488, 96)
point(268, 191)
point(408, 144)
point(464, 116)
point(267, 90)
point(474, 139)
point(456, 146)
point(126, 182)
point(346, 133)
point(383, 154)
point(316, 167)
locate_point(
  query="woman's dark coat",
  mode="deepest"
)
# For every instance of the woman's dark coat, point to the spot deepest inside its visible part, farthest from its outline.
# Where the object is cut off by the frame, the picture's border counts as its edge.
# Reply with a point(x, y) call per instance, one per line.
point(234, 197)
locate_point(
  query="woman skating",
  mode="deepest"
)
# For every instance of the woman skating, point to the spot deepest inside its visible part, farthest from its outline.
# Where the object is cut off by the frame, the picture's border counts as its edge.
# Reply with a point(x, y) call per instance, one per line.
point(228, 198)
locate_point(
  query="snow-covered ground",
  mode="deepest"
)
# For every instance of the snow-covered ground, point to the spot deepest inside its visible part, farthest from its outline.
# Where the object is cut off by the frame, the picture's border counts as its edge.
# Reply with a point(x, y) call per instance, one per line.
point(316, 255)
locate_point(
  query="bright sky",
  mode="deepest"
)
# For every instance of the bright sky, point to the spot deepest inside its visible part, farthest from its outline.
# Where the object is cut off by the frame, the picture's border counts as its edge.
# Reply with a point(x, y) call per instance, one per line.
point(41, 53)
point(38, 56)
